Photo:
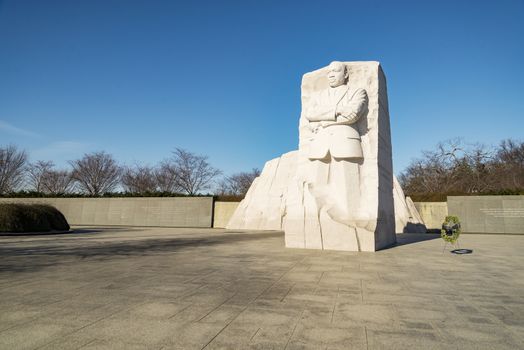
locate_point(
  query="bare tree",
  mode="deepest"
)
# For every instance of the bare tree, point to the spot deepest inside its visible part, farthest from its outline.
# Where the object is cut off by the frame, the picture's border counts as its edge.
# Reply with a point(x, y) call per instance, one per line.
point(44, 178)
point(509, 164)
point(96, 173)
point(12, 167)
point(57, 182)
point(456, 168)
point(511, 152)
point(166, 177)
point(475, 170)
point(37, 171)
point(238, 184)
point(438, 171)
point(194, 173)
point(139, 179)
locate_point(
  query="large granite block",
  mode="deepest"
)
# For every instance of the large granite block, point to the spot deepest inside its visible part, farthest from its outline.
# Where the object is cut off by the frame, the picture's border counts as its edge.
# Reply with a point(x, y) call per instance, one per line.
point(336, 191)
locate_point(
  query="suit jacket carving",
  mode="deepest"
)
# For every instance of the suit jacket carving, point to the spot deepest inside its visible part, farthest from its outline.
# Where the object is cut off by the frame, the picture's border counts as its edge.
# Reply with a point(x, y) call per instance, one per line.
point(332, 116)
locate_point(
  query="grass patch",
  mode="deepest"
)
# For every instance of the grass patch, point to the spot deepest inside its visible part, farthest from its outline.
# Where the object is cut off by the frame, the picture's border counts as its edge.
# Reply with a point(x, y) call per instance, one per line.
point(16, 217)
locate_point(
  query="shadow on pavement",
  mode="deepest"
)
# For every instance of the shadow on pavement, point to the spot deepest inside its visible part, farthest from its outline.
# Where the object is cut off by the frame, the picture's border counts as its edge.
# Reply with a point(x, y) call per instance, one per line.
point(411, 238)
point(73, 231)
point(87, 230)
point(49, 253)
point(34, 234)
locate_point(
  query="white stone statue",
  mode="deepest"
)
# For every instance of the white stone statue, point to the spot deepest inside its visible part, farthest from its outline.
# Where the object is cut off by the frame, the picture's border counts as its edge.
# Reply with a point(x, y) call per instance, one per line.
point(332, 114)
point(336, 191)
point(334, 147)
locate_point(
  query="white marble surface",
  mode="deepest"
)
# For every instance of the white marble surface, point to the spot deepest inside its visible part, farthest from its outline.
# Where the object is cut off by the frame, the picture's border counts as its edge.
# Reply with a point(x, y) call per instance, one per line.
point(407, 218)
point(336, 191)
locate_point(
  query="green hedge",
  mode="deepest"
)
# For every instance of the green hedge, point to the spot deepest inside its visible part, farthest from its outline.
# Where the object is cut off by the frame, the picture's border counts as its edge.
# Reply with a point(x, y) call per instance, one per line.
point(16, 217)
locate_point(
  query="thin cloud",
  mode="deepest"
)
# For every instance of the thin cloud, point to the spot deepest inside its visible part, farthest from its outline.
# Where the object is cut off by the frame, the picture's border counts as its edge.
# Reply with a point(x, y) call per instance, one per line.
point(60, 151)
point(14, 130)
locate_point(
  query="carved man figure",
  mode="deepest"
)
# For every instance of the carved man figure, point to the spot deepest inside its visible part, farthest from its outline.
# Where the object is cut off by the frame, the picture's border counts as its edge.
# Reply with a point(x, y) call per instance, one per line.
point(335, 151)
point(335, 191)
point(332, 114)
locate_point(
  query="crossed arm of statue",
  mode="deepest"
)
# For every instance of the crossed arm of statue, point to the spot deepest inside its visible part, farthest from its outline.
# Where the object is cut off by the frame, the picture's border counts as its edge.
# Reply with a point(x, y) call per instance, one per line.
point(343, 113)
point(351, 112)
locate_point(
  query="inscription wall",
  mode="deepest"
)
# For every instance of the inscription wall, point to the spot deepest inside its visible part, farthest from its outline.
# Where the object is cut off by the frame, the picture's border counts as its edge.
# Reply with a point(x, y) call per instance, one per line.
point(489, 214)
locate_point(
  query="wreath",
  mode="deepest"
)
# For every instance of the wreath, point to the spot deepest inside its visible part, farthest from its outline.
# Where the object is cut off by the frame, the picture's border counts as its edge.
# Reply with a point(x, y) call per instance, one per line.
point(450, 231)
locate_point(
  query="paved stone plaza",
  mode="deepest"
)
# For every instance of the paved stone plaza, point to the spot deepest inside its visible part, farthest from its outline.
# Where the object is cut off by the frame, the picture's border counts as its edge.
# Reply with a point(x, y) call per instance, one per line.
point(164, 288)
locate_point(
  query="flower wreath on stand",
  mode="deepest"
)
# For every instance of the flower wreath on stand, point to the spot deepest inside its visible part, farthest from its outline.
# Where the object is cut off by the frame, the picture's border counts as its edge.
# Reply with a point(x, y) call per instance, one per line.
point(450, 229)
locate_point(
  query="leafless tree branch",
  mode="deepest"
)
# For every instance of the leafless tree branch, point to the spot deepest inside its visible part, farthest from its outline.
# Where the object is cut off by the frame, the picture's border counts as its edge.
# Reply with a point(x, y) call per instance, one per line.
point(96, 173)
point(238, 184)
point(12, 168)
point(193, 173)
point(139, 179)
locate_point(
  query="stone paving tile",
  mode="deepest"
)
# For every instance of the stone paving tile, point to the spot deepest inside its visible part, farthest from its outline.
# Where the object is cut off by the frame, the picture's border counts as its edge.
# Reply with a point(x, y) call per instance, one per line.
point(405, 339)
point(328, 337)
point(161, 288)
point(75, 341)
point(235, 336)
point(224, 314)
point(476, 336)
point(114, 345)
point(33, 334)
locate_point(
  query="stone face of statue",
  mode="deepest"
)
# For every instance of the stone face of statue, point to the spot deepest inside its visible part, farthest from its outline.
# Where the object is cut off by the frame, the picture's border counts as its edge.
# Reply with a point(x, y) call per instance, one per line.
point(337, 74)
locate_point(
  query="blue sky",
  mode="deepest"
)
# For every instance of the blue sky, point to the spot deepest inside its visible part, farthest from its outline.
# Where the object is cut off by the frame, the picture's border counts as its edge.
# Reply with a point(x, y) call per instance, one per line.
point(222, 78)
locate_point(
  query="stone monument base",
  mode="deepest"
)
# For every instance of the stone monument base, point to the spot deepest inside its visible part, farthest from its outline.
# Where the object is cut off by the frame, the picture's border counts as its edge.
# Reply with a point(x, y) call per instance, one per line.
point(269, 205)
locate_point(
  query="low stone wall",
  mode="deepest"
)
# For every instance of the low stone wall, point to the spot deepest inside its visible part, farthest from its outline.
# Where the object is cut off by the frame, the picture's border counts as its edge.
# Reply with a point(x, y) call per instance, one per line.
point(432, 213)
point(489, 214)
point(223, 212)
point(478, 214)
point(146, 211)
